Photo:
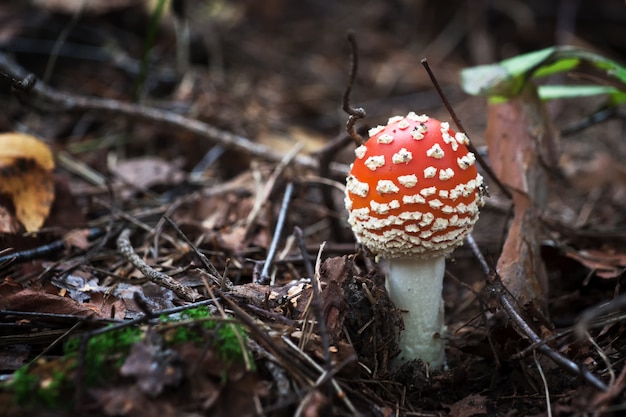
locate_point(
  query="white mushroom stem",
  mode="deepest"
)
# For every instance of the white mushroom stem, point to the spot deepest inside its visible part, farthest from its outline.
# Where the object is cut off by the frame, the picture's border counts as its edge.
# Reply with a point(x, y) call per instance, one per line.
point(415, 286)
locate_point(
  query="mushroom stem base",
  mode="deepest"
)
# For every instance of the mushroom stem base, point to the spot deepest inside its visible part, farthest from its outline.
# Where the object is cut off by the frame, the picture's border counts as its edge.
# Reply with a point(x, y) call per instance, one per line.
point(415, 286)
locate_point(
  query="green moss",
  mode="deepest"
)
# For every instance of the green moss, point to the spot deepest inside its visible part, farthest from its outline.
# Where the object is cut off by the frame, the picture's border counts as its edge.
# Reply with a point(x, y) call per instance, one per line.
point(46, 383)
point(32, 387)
point(106, 352)
point(229, 339)
point(24, 384)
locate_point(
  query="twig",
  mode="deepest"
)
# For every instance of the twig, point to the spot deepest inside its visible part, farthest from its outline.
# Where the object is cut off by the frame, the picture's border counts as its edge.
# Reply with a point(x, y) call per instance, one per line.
point(317, 299)
point(210, 268)
point(279, 376)
point(93, 251)
point(26, 82)
point(545, 384)
point(604, 357)
point(23, 84)
point(586, 318)
point(159, 278)
point(45, 250)
point(599, 116)
point(60, 41)
point(34, 317)
point(149, 316)
point(562, 361)
point(264, 338)
point(280, 223)
point(308, 266)
point(324, 157)
point(148, 43)
point(80, 169)
point(56, 342)
point(564, 332)
point(354, 113)
point(615, 389)
point(478, 254)
point(269, 186)
point(340, 392)
point(507, 302)
point(236, 332)
point(460, 128)
point(79, 375)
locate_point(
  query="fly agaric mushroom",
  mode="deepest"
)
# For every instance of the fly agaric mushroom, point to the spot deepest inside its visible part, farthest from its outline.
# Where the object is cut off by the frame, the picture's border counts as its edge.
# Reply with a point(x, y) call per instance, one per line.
point(413, 194)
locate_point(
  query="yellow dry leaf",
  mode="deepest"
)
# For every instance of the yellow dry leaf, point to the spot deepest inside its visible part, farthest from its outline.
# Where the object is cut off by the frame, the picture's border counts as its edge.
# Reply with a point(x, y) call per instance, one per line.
point(26, 165)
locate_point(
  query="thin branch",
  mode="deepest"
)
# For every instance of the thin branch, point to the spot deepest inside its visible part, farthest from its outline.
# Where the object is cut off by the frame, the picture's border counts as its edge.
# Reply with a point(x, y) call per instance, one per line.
point(599, 116)
point(308, 266)
point(460, 128)
point(23, 82)
point(589, 315)
point(508, 304)
point(269, 187)
point(545, 385)
point(263, 337)
point(354, 113)
point(280, 223)
point(26, 83)
point(159, 278)
point(210, 268)
point(317, 298)
point(339, 391)
point(557, 358)
point(478, 254)
point(48, 249)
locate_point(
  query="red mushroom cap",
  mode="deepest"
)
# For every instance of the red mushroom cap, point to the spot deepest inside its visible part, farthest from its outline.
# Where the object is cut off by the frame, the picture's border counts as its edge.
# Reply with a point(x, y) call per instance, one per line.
point(413, 190)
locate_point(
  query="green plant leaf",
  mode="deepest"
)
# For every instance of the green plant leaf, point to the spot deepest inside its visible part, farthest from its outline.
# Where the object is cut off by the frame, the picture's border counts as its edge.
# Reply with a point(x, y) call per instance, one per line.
point(507, 78)
point(551, 92)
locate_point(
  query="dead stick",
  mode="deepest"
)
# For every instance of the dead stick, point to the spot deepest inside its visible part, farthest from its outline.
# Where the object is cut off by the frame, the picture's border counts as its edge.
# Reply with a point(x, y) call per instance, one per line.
point(208, 266)
point(69, 102)
point(269, 187)
point(523, 328)
point(263, 337)
point(317, 297)
point(159, 278)
point(280, 223)
point(460, 127)
point(557, 358)
point(340, 392)
point(354, 113)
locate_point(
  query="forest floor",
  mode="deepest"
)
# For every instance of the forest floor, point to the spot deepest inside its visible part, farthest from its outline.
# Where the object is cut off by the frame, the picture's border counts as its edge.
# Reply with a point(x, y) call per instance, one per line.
point(223, 171)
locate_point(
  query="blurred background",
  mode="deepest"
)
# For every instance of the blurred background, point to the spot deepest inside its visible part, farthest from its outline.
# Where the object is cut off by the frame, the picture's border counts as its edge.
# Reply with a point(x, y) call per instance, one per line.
point(263, 68)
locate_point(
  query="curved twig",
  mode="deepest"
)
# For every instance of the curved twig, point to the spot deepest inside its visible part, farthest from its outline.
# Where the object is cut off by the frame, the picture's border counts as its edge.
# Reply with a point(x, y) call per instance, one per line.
point(126, 250)
point(359, 112)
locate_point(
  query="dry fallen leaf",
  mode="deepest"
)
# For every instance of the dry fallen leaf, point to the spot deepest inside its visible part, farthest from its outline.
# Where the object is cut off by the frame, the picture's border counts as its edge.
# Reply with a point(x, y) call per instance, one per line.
point(146, 172)
point(153, 367)
point(45, 299)
point(78, 239)
point(605, 265)
point(469, 406)
point(521, 141)
point(26, 165)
